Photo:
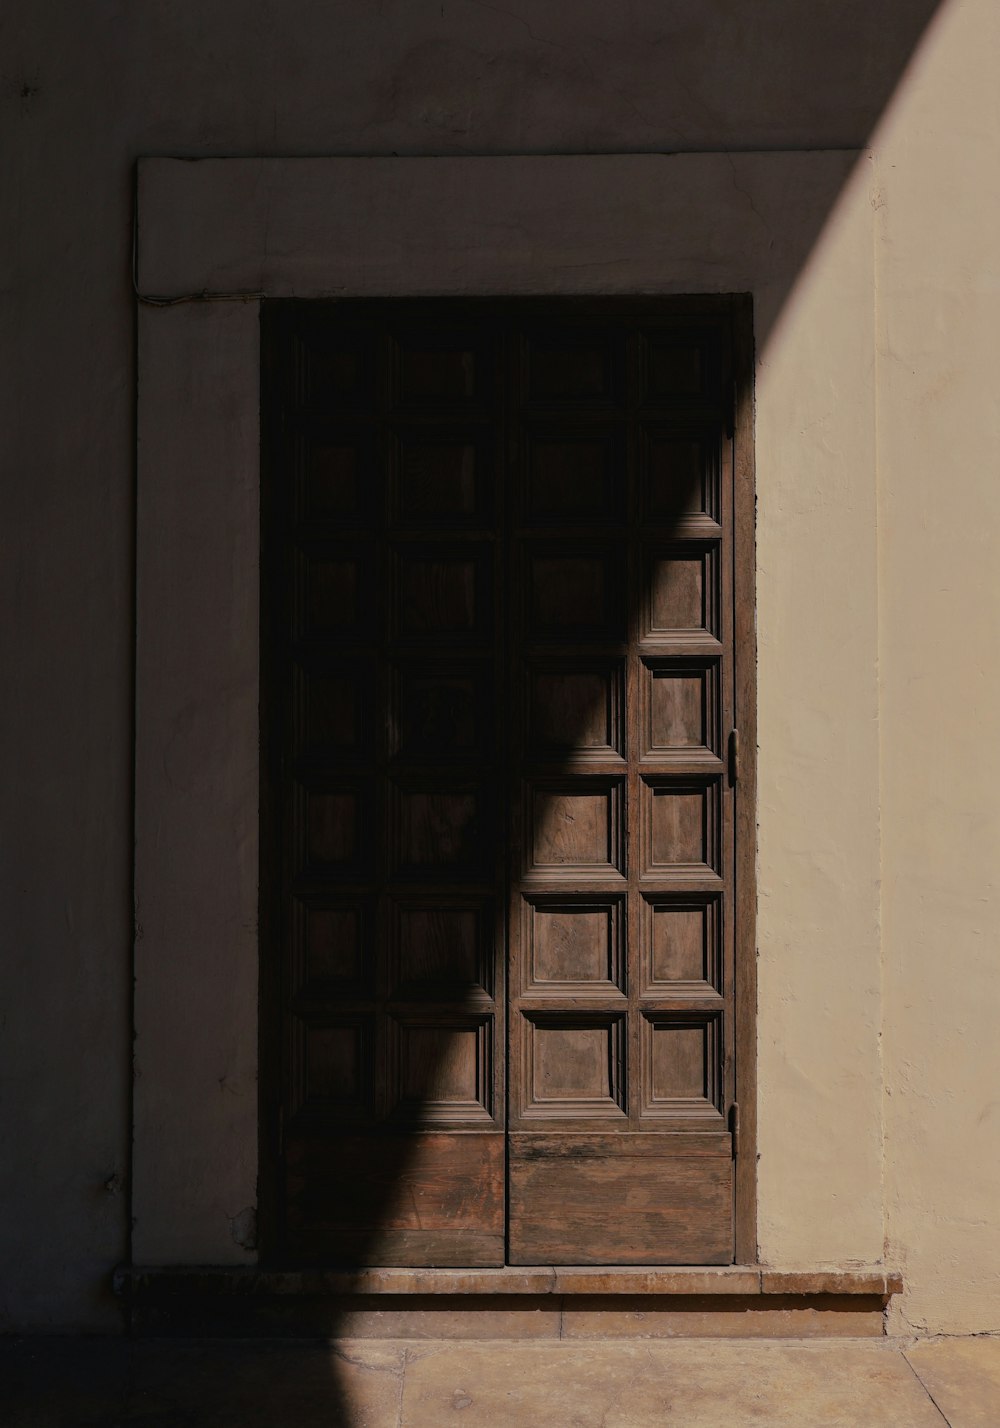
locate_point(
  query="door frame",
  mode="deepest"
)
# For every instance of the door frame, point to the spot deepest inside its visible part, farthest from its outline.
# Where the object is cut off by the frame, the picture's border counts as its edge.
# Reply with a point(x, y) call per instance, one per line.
point(216, 236)
point(745, 812)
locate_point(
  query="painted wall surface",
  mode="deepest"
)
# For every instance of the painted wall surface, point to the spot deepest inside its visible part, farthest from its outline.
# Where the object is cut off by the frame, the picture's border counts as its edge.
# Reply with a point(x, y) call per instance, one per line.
point(819, 1077)
point(939, 658)
point(196, 808)
point(85, 90)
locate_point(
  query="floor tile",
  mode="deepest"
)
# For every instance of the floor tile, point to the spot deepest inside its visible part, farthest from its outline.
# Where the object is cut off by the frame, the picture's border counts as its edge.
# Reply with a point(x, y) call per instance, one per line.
point(638, 1385)
point(963, 1378)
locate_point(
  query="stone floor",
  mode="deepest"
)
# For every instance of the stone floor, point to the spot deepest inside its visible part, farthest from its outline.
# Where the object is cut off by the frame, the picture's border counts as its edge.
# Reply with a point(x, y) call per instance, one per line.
point(101, 1383)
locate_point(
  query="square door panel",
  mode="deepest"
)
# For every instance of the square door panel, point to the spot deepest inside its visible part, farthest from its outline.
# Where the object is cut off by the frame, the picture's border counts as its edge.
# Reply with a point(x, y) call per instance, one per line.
point(333, 710)
point(441, 367)
point(335, 593)
point(336, 374)
point(578, 707)
point(441, 1068)
point(440, 830)
point(681, 367)
point(574, 477)
point(335, 826)
point(680, 590)
point(575, 593)
point(681, 1065)
point(681, 944)
point(680, 475)
point(574, 366)
point(680, 704)
point(443, 593)
point(337, 477)
point(441, 478)
point(680, 825)
point(576, 826)
point(442, 711)
point(576, 944)
point(335, 1067)
point(440, 946)
point(574, 1066)
point(334, 942)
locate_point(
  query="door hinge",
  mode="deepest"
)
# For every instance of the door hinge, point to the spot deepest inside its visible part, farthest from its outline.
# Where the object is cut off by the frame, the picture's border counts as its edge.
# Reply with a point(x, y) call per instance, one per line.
point(734, 1127)
point(734, 755)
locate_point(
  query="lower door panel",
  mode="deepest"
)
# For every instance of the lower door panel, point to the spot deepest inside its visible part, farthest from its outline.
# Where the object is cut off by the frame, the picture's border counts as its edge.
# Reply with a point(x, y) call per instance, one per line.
point(434, 1199)
point(626, 1200)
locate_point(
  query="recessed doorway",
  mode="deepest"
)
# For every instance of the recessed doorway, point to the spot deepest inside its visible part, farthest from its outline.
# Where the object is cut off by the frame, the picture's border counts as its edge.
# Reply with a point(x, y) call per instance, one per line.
point(506, 849)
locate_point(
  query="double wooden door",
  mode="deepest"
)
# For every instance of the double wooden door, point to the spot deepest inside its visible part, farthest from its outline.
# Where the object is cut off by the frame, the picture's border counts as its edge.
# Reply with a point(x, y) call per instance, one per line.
point(499, 868)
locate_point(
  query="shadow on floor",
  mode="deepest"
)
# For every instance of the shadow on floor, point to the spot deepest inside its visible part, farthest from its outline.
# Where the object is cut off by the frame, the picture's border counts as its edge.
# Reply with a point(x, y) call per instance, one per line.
point(105, 1383)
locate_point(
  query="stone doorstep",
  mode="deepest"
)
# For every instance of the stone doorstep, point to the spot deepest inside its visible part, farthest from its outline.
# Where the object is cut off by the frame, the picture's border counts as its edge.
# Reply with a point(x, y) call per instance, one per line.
point(721, 1281)
point(539, 1302)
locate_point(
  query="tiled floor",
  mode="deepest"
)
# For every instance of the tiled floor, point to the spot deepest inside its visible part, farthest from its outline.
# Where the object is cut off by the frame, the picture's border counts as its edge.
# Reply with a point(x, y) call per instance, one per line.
point(101, 1383)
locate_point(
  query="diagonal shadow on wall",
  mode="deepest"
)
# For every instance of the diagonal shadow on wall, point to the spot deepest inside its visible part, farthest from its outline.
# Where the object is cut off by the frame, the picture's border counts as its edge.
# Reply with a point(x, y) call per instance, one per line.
point(838, 92)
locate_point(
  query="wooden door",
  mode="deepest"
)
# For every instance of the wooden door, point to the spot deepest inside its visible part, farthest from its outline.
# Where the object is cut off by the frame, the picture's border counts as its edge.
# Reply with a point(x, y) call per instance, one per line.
point(499, 851)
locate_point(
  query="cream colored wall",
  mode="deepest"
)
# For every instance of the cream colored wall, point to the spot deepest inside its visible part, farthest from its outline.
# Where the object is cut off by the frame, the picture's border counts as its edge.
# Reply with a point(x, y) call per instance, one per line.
point(194, 1151)
point(819, 1005)
point(939, 661)
point(923, 859)
point(87, 89)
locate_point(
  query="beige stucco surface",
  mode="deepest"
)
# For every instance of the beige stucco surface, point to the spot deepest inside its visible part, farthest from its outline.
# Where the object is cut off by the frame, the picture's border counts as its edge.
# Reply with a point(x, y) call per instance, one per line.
point(819, 1172)
point(879, 523)
point(939, 659)
point(198, 533)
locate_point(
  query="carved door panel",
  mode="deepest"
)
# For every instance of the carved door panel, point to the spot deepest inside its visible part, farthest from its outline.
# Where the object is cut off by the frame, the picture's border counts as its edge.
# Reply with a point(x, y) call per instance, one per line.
point(498, 828)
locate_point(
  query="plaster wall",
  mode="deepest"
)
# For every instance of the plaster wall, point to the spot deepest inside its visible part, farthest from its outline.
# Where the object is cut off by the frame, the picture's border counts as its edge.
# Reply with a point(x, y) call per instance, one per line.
point(196, 807)
point(84, 91)
point(939, 523)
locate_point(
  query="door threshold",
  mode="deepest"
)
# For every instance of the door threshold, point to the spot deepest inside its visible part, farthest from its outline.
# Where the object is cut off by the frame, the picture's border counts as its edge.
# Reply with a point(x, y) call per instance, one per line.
point(545, 1301)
